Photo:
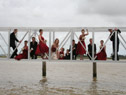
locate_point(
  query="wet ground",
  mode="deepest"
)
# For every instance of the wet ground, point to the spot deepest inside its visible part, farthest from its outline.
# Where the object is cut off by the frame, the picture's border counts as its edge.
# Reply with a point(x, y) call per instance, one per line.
point(25, 78)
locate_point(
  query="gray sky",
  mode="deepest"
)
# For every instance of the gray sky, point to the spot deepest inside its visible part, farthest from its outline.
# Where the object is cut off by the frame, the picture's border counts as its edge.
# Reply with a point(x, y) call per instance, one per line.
point(39, 13)
point(63, 13)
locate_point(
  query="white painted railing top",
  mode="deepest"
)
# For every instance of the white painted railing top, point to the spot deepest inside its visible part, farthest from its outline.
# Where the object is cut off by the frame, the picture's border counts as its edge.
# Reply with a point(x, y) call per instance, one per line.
point(61, 29)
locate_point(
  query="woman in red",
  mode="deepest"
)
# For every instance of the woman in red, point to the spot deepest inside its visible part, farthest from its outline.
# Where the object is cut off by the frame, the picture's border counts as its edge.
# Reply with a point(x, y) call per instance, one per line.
point(24, 55)
point(80, 49)
point(61, 53)
point(102, 55)
point(42, 48)
point(55, 49)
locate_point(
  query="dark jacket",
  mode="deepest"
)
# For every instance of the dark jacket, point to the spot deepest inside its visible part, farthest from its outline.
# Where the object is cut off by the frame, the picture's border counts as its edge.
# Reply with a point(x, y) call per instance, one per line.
point(67, 56)
point(113, 36)
point(74, 51)
point(90, 48)
point(13, 39)
point(34, 46)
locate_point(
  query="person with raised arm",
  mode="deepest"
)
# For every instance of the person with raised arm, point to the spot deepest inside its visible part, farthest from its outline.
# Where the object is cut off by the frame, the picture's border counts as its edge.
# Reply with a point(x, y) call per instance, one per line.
point(113, 42)
point(81, 50)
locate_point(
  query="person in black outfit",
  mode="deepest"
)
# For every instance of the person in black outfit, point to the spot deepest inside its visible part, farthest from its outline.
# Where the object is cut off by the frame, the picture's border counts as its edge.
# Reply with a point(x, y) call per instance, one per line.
point(74, 47)
point(12, 42)
point(113, 42)
point(90, 49)
point(67, 55)
point(33, 46)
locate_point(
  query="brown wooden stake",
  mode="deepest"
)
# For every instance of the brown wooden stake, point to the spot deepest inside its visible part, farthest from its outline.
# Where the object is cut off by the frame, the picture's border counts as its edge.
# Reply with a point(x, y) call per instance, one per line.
point(94, 71)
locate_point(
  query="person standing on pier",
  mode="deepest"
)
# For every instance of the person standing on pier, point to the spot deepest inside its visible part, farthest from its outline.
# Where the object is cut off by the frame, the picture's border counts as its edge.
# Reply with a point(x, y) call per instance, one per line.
point(74, 47)
point(102, 54)
point(42, 48)
point(113, 42)
point(81, 47)
point(90, 49)
point(12, 42)
point(33, 46)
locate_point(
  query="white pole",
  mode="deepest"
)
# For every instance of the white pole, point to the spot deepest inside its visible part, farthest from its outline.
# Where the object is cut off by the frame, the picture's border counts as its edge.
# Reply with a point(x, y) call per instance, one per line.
point(115, 45)
point(9, 44)
point(71, 56)
point(93, 46)
point(29, 33)
point(49, 45)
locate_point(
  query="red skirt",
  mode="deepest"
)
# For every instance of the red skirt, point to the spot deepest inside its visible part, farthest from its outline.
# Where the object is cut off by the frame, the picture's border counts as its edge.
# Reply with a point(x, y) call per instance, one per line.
point(41, 48)
point(101, 55)
point(24, 55)
point(80, 50)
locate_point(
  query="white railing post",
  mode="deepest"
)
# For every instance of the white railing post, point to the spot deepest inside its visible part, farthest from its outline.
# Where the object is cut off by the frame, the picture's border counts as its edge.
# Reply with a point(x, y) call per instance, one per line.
point(49, 45)
point(9, 44)
point(93, 46)
point(71, 52)
point(29, 36)
point(115, 46)
point(53, 36)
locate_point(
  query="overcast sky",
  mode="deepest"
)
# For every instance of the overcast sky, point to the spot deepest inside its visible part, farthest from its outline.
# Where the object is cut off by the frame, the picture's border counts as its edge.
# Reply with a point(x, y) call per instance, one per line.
point(39, 13)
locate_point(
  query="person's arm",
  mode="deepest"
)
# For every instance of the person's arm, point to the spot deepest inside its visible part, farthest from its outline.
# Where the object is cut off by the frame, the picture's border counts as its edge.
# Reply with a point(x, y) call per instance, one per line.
point(14, 36)
point(119, 31)
point(87, 32)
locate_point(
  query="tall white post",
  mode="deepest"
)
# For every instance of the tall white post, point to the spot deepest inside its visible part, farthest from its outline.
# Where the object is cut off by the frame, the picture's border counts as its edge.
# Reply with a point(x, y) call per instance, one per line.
point(115, 46)
point(9, 44)
point(71, 53)
point(93, 46)
point(29, 33)
point(49, 45)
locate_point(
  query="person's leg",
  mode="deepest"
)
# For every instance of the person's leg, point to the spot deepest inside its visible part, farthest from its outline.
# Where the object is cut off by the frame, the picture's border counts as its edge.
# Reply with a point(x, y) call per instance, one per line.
point(113, 56)
point(75, 56)
point(81, 57)
point(117, 50)
point(31, 54)
point(14, 52)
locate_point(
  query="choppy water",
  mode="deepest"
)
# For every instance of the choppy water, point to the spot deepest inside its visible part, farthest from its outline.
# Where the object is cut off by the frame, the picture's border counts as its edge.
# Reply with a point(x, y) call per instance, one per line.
point(25, 78)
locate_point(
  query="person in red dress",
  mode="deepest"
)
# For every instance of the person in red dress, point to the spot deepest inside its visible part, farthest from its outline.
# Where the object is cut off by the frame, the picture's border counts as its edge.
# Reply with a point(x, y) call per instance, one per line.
point(80, 49)
point(24, 55)
point(55, 49)
point(102, 55)
point(42, 48)
point(61, 53)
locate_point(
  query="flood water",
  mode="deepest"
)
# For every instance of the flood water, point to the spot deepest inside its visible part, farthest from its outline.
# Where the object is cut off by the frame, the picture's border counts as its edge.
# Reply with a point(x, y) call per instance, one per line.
point(25, 78)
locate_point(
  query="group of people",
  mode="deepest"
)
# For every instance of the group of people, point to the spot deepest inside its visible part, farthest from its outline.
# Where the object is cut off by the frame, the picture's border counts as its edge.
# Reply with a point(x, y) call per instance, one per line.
point(41, 48)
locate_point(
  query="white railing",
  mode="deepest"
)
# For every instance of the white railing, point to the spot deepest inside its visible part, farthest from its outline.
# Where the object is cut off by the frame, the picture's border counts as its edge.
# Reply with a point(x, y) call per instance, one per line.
point(71, 33)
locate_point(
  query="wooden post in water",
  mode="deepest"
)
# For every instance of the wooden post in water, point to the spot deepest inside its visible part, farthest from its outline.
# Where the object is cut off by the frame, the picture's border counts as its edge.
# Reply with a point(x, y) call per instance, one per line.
point(44, 69)
point(94, 71)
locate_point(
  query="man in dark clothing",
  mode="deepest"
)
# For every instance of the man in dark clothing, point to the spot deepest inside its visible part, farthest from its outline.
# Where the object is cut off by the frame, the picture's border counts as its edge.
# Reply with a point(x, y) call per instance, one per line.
point(12, 42)
point(113, 42)
point(90, 49)
point(74, 47)
point(33, 46)
point(67, 55)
